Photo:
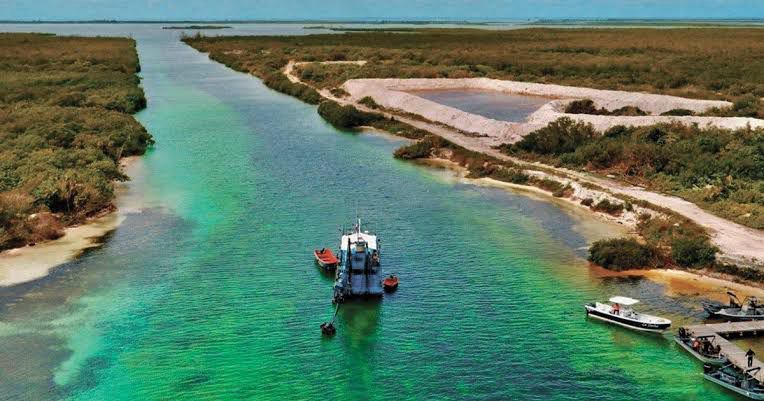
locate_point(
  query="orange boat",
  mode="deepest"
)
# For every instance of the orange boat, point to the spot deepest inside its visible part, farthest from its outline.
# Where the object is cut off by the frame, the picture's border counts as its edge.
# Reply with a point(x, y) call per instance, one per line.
point(390, 283)
point(325, 258)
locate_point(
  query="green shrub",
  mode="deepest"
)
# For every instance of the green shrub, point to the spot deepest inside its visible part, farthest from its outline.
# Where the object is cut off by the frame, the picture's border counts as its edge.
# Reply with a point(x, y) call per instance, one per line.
point(563, 192)
point(345, 117)
point(584, 106)
point(369, 102)
point(631, 111)
point(421, 149)
point(608, 207)
point(587, 201)
point(693, 251)
point(511, 175)
point(549, 185)
point(339, 92)
point(621, 254)
point(744, 273)
point(678, 112)
point(561, 136)
point(281, 83)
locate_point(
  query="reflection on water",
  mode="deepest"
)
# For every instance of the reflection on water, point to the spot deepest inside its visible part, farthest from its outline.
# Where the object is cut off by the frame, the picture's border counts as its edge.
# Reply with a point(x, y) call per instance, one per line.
point(491, 104)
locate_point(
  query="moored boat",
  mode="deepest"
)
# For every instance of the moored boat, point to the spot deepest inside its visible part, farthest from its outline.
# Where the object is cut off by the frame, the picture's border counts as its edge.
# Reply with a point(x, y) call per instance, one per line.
point(701, 347)
point(733, 379)
point(326, 258)
point(713, 307)
point(390, 283)
point(358, 274)
point(619, 312)
point(749, 309)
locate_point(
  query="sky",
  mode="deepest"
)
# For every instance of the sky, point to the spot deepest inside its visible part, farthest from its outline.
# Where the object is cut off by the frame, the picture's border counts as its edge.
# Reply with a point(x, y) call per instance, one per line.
point(375, 9)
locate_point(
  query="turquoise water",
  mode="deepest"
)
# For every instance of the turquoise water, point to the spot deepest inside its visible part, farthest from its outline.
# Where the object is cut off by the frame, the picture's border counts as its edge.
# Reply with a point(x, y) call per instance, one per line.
point(210, 292)
point(491, 104)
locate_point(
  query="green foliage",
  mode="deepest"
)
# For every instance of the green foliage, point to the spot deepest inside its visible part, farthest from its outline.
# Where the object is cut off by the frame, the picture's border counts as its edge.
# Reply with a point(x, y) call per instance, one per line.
point(549, 185)
point(746, 106)
point(720, 170)
point(63, 129)
point(511, 175)
point(586, 106)
point(747, 274)
point(608, 207)
point(281, 83)
point(693, 252)
point(420, 149)
point(678, 112)
point(70, 72)
point(345, 117)
point(369, 102)
point(339, 92)
point(621, 254)
point(561, 136)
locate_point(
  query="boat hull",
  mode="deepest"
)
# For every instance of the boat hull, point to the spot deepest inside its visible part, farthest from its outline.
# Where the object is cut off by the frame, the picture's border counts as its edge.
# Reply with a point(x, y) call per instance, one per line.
point(625, 322)
point(754, 395)
point(326, 261)
point(707, 360)
point(733, 317)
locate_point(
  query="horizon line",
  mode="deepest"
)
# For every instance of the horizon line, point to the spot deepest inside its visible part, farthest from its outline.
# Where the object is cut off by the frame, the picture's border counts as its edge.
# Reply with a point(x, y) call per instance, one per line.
point(380, 20)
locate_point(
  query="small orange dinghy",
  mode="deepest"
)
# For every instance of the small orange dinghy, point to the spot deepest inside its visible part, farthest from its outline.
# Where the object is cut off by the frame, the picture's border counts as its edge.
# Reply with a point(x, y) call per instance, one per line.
point(390, 283)
point(325, 258)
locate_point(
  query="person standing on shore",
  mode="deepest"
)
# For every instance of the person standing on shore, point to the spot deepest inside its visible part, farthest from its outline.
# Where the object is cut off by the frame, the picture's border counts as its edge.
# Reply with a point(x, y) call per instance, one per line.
point(750, 354)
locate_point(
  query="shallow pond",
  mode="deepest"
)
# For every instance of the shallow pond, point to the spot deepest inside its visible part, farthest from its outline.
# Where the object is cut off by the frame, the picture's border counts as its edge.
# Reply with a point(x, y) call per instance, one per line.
point(491, 104)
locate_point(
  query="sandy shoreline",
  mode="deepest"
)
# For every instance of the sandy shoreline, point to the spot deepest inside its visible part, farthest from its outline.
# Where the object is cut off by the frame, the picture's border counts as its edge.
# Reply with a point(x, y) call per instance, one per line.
point(595, 226)
point(21, 265)
point(685, 283)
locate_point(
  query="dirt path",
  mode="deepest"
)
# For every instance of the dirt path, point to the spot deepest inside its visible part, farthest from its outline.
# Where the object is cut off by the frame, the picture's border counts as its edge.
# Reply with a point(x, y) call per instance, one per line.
point(737, 243)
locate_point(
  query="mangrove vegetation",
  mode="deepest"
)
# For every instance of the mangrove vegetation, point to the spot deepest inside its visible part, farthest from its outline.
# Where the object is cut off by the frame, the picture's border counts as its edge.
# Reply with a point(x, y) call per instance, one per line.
point(65, 122)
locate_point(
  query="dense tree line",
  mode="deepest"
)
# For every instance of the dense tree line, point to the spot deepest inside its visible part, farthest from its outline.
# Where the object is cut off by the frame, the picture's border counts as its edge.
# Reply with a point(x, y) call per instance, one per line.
point(63, 128)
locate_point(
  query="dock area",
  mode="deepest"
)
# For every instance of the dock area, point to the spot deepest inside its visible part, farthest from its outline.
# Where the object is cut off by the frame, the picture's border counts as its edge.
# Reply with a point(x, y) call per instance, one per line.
point(731, 330)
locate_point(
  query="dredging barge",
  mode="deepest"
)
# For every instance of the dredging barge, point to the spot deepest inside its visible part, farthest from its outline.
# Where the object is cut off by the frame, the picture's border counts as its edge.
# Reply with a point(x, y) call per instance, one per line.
point(358, 273)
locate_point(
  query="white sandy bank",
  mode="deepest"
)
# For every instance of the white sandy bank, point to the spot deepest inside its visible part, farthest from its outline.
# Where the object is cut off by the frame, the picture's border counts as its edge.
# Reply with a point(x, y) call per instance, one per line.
point(392, 94)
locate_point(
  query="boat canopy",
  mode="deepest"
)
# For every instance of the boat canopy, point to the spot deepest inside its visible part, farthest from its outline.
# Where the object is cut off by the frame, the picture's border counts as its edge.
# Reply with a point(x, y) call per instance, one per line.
point(624, 300)
point(371, 240)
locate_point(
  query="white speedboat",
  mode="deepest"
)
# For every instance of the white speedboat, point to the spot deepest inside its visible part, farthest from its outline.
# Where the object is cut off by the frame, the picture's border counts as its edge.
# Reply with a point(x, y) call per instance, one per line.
point(619, 312)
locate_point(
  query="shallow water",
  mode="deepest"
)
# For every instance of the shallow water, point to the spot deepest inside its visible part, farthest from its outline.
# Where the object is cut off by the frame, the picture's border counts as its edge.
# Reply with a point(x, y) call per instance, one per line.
point(491, 104)
point(210, 291)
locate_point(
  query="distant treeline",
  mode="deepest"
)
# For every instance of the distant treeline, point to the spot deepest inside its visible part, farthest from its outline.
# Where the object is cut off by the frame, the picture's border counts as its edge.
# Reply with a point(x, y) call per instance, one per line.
point(198, 27)
point(65, 105)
